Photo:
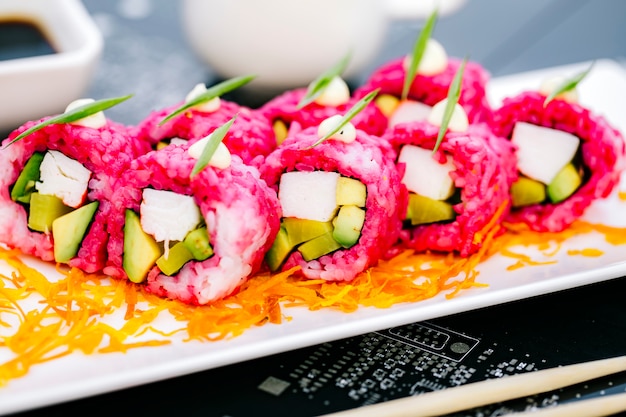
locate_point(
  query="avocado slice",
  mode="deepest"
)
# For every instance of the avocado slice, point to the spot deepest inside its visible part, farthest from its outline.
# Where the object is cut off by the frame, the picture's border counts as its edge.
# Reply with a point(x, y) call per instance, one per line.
point(319, 246)
point(197, 242)
point(280, 131)
point(564, 184)
point(348, 225)
point(69, 230)
point(387, 103)
point(350, 191)
point(140, 249)
point(25, 183)
point(425, 210)
point(177, 256)
point(526, 191)
point(280, 249)
point(302, 230)
point(43, 210)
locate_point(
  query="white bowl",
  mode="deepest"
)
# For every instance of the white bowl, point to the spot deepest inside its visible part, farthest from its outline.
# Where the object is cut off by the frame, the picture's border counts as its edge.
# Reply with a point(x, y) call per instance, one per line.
point(37, 86)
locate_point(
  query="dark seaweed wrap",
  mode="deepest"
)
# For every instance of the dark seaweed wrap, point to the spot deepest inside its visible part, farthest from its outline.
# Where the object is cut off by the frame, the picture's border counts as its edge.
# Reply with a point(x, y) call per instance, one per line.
point(602, 151)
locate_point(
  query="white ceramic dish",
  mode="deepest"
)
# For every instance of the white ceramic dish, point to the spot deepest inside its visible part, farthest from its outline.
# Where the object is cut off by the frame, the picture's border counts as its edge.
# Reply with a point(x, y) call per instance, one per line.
point(37, 86)
point(76, 376)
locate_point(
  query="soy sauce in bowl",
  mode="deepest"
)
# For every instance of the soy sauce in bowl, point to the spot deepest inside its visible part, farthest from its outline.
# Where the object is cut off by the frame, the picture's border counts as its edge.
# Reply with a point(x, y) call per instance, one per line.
point(23, 39)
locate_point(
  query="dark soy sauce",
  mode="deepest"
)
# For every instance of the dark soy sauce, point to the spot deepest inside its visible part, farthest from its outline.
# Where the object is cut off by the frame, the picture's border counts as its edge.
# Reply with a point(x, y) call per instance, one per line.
point(22, 39)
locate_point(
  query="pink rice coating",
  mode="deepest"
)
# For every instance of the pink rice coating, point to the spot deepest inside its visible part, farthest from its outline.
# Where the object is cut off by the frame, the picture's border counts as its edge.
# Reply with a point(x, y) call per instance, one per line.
point(106, 152)
point(603, 155)
point(285, 107)
point(484, 171)
point(241, 212)
point(386, 198)
point(250, 135)
point(433, 88)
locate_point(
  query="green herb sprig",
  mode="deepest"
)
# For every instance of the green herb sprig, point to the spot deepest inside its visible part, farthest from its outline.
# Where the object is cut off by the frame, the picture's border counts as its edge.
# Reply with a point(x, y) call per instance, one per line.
point(356, 109)
point(568, 85)
point(317, 86)
point(211, 93)
point(78, 113)
point(454, 92)
point(213, 143)
point(418, 53)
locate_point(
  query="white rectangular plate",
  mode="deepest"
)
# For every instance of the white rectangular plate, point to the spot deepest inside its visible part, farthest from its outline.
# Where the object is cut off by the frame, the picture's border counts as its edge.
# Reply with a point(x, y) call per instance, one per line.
point(76, 376)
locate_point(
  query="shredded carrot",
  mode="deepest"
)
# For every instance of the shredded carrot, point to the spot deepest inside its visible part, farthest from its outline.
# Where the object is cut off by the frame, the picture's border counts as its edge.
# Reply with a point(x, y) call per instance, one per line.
point(73, 314)
point(591, 252)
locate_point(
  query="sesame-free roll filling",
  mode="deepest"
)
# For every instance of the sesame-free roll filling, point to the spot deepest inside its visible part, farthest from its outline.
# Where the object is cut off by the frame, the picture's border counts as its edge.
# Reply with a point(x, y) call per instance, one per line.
point(191, 237)
point(55, 193)
point(340, 202)
point(567, 157)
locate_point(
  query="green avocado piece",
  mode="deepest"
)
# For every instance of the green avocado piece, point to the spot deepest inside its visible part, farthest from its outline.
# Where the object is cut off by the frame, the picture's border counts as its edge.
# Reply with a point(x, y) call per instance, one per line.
point(348, 225)
point(140, 249)
point(425, 210)
point(197, 242)
point(564, 184)
point(303, 230)
point(177, 256)
point(350, 191)
point(280, 249)
point(69, 230)
point(43, 210)
point(25, 183)
point(319, 246)
point(526, 191)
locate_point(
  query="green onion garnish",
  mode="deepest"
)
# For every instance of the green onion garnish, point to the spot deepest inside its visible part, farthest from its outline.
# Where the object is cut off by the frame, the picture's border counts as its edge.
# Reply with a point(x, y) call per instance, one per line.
point(356, 109)
point(454, 92)
point(418, 53)
point(209, 149)
point(211, 93)
point(78, 113)
point(568, 85)
point(317, 86)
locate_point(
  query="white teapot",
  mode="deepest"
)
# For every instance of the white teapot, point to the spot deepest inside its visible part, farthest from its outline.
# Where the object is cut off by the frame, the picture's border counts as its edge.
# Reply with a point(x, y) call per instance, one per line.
point(288, 43)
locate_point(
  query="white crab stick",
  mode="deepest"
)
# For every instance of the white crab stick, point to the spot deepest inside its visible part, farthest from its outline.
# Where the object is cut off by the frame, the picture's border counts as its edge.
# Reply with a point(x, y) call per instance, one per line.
point(168, 216)
point(63, 177)
point(424, 175)
point(541, 151)
point(309, 195)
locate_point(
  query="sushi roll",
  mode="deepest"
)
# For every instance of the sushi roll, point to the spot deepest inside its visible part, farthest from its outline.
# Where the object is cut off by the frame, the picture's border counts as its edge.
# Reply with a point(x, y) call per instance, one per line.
point(250, 136)
point(340, 201)
point(567, 156)
point(194, 237)
point(458, 187)
point(326, 96)
point(410, 85)
point(57, 183)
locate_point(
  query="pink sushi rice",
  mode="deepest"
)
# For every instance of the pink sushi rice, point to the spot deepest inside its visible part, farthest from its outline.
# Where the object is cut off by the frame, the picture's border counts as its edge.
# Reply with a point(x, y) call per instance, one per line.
point(603, 155)
point(241, 213)
point(106, 152)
